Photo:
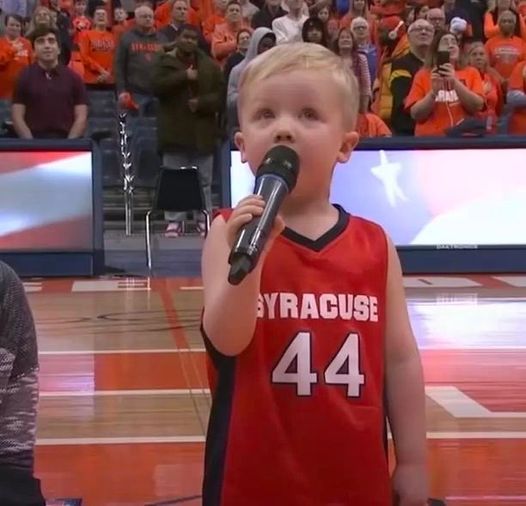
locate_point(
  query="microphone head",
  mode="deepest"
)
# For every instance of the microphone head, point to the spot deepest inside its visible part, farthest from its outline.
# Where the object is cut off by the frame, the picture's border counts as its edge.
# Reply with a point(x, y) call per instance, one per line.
point(281, 161)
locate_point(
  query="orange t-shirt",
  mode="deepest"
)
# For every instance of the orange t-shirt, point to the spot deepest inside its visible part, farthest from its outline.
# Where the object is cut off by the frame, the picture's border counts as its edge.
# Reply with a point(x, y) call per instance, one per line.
point(491, 29)
point(504, 53)
point(209, 25)
point(371, 125)
point(517, 81)
point(12, 61)
point(97, 50)
point(448, 110)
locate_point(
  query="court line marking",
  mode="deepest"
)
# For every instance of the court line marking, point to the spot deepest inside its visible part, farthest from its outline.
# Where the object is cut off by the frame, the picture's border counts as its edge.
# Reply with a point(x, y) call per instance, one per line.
point(201, 438)
point(107, 393)
point(122, 351)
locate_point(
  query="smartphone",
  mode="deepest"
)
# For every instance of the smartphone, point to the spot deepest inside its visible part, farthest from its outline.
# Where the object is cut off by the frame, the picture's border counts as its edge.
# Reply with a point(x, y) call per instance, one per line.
point(442, 58)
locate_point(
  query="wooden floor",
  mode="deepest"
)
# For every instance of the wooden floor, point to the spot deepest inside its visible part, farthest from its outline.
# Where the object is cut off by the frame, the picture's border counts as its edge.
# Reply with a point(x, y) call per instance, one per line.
point(124, 399)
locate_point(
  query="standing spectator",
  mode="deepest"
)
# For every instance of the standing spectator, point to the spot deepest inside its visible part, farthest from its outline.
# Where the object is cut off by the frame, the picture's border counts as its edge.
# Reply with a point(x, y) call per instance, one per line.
point(120, 18)
point(18, 395)
point(492, 89)
point(356, 62)
point(165, 13)
point(49, 101)
point(262, 40)
point(403, 71)
point(491, 19)
point(224, 39)
point(516, 99)
point(437, 18)
point(314, 31)
point(215, 19)
point(268, 13)
point(288, 28)
point(370, 125)
point(359, 8)
point(505, 50)
point(248, 10)
point(330, 22)
point(243, 41)
point(80, 22)
point(442, 97)
point(190, 89)
point(181, 15)
point(97, 48)
point(134, 59)
point(15, 54)
point(42, 16)
point(362, 36)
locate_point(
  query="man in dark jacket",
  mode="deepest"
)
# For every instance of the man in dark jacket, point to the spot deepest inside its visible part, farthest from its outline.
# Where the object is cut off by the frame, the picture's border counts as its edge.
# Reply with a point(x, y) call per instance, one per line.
point(190, 87)
point(269, 12)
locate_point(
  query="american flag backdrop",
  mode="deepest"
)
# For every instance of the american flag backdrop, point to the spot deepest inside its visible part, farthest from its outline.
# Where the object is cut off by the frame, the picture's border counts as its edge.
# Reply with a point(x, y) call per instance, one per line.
point(428, 197)
point(46, 200)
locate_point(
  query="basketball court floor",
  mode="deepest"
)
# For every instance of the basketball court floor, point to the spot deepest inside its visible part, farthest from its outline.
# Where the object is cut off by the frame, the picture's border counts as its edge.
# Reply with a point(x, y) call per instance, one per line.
point(124, 400)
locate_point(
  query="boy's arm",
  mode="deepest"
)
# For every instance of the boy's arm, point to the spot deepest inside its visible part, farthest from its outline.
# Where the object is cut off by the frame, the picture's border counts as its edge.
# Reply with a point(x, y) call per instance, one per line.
point(230, 312)
point(404, 389)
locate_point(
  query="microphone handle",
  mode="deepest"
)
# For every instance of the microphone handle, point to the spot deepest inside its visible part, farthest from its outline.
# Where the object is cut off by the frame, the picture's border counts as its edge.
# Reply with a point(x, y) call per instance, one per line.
point(254, 235)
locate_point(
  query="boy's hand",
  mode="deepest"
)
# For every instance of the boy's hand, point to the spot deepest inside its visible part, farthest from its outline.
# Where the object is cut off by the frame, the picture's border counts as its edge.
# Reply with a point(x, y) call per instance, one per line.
point(245, 211)
point(410, 485)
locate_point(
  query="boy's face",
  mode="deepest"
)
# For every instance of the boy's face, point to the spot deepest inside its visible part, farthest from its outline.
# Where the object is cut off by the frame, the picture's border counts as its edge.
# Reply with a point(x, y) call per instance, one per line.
point(303, 110)
point(120, 15)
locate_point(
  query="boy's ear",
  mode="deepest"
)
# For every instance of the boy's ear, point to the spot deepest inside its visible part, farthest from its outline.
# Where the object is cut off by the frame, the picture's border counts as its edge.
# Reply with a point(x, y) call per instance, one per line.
point(240, 143)
point(350, 139)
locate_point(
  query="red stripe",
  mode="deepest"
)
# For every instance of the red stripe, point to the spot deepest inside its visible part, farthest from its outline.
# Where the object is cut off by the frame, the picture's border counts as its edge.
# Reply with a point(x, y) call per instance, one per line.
point(13, 161)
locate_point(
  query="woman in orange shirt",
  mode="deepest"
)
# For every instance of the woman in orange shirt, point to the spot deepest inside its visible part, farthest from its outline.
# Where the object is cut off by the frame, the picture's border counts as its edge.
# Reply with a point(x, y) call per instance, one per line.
point(491, 18)
point(15, 54)
point(478, 59)
point(444, 94)
point(97, 48)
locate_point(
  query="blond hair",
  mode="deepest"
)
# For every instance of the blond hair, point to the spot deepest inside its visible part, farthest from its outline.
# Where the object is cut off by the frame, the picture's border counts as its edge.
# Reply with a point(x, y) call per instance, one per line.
point(296, 56)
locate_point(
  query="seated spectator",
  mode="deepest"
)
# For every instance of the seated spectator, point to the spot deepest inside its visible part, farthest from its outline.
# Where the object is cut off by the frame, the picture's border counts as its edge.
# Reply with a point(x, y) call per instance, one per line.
point(362, 37)
point(491, 19)
point(493, 96)
point(370, 125)
point(516, 99)
point(314, 31)
point(243, 41)
point(505, 50)
point(262, 40)
point(49, 101)
point(216, 19)
point(134, 60)
point(43, 16)
point(288, 28)
point(224, 39)
point(15, 54)
point(18, 395)
point(403, 70)
point(437, 18)
point(268, 13)
point(97, 48)
point(190, 89)
point(345, 47)
point(442, 97)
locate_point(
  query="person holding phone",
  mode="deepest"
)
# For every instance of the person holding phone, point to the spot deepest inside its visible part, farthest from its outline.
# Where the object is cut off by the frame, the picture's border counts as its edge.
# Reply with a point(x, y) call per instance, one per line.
point(445, 91)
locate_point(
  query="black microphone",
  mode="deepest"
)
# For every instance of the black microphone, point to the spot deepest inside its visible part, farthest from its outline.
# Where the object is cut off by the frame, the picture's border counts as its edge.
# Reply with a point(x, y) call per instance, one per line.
point(276, 177)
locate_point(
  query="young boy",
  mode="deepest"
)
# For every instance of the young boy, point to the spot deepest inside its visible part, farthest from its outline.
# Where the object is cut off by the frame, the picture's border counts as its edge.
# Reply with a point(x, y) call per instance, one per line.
point(301, 349)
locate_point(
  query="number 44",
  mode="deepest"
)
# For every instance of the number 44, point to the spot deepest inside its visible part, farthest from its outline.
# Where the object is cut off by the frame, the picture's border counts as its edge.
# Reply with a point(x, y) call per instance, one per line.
point(300, 351)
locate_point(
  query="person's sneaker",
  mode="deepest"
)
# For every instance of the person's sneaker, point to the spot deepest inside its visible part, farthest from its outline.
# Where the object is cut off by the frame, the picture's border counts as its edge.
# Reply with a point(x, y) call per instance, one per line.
point(174, 229)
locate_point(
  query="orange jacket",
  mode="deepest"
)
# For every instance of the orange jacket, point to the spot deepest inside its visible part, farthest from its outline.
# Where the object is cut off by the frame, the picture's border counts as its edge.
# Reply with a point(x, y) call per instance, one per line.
point(11, 64)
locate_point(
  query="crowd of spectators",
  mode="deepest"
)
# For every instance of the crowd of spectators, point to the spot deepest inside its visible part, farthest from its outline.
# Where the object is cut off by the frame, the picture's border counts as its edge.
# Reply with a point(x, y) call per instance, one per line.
point(425, 67)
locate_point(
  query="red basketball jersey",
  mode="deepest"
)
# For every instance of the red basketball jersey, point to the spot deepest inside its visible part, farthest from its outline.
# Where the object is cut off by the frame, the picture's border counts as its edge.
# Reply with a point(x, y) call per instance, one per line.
point(298, 418)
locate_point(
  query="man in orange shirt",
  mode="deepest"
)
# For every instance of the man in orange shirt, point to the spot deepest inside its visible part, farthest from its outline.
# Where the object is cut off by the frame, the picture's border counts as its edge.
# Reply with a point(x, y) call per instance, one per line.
point(224, 39)
point(517, 99)
point(97, 48)
point(166, 12)
point(218, 18)
point(506, 50)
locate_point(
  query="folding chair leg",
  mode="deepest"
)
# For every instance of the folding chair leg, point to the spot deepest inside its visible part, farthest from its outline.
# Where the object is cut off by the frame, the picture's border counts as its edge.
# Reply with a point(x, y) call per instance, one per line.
point(148, 240)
